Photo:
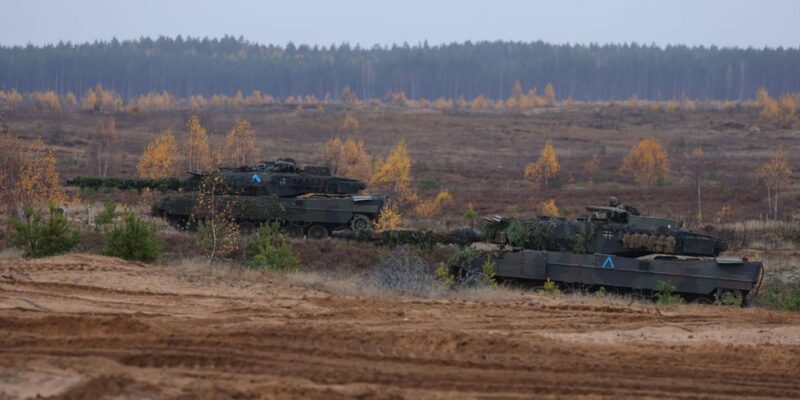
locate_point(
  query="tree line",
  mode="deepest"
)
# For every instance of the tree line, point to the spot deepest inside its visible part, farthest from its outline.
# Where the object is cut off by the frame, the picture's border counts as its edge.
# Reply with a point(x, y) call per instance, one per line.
point(192, 66)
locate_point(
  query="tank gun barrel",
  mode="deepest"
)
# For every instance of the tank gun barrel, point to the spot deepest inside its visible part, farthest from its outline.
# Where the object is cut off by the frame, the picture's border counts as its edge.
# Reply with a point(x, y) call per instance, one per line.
point(162, 184)
point(462, 237)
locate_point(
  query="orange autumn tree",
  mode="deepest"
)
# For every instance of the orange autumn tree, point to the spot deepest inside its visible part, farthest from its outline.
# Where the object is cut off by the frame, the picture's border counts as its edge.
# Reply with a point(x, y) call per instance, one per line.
point(647, 162)
point(354, 161)
point(160, 157)
point(774, 175)
point(782, 112)
point(38, 181)
point(240, 144)
point(331, 152)
point(544, 171)
point(197, 154)
point(549, 208)
point(393, 174)
point(348, 158)
point(429, 208)
point(350, 123)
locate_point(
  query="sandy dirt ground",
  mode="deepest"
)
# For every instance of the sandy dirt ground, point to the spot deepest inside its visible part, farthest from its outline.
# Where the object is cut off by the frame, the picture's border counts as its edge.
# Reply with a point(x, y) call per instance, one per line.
point(82, 326)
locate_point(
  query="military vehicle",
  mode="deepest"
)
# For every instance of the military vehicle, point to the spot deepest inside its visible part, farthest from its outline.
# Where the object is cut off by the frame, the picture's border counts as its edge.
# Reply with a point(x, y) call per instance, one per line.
point(305, 200)
point(613, 247)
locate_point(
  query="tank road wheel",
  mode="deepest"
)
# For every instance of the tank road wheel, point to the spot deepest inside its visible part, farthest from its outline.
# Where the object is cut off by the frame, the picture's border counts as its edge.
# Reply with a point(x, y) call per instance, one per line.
point(294, 231)
point(360, 223)
point(317, 232)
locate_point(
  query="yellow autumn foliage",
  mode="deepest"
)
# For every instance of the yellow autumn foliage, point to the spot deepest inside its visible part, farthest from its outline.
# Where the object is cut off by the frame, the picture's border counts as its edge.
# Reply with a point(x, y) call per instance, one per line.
point(388, 219)
point(394, 172)
point(647, 162)
point(240, 144)
point(197, 154)
point(160, 157)
point(545, 170)
point(549, 208)
point(38, 181)
point(430, 208)
point(348, 158)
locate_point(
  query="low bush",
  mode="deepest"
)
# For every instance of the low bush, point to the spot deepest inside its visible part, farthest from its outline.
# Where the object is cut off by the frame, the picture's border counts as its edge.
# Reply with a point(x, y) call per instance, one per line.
point(550, 287)
point(40, 238)
point(666, 294)
point(403, 271)
point(268, 248)
point(133, 240)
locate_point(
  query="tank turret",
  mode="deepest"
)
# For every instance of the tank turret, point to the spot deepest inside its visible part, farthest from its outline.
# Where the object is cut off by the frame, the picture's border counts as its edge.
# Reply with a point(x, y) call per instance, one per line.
point(618, 230)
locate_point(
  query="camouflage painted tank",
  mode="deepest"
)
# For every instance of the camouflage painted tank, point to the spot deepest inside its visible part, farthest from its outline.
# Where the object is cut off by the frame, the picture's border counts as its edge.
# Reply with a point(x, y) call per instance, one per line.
point(305, 200)
point(613, 247)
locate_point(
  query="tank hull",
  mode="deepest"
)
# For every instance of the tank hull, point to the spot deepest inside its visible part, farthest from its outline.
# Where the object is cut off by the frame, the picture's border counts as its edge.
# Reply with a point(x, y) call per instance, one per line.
point(327, 211)
point(691, 277)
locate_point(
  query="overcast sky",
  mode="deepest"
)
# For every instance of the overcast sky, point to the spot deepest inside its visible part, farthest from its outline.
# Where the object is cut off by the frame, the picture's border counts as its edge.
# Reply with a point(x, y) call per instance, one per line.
point(694, 22)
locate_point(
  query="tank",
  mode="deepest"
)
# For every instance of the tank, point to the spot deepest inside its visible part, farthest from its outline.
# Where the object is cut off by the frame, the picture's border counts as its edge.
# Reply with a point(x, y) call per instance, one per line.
point(306, 200)
point(613, 247)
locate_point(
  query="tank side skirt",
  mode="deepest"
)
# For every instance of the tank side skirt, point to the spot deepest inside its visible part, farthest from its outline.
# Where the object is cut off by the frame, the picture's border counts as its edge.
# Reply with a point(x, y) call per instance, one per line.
point(606, 270)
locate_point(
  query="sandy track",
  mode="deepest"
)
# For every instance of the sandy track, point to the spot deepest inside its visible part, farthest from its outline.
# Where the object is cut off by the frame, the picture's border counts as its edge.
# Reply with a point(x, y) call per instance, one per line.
point(87, 326)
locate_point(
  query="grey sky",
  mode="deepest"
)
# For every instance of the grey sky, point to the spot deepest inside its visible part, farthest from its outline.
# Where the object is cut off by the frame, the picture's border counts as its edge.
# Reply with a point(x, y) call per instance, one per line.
point(694, 22)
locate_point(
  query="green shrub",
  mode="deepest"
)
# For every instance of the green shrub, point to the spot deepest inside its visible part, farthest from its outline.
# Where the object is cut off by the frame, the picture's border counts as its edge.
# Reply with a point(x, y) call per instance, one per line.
point(267, 248)
point(666, 294)
point(488, 271)
point(39, 238)
point(785, 299)
point(133, 240)
point(107, 215)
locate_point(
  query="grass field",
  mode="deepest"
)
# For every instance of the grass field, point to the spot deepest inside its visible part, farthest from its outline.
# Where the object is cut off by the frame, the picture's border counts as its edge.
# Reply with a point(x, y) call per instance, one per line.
point(480, 157)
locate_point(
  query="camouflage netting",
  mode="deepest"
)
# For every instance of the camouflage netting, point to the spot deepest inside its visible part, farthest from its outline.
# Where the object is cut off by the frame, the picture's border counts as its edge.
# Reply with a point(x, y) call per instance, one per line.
point(550, 234)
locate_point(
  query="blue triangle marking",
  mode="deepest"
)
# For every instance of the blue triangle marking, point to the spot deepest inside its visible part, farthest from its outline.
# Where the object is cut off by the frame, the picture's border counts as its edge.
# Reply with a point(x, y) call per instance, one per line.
point(255, 178)
point(608, 263)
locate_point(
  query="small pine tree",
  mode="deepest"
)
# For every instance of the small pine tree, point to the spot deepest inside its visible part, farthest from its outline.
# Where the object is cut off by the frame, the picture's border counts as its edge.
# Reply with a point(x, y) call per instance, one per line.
point(133, 240)
point(470, 214)
point(40, 238)
point(268, 248)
